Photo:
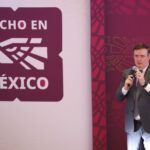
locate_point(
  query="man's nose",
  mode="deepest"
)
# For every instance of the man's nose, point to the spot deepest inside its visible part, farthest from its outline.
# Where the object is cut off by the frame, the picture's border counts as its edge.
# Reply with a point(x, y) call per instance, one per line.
point(139, 58)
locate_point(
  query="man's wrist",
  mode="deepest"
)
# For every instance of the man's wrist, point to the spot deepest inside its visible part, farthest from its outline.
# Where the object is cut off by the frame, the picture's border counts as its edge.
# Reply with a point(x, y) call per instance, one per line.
point(124, 91)
point(145, 84)
point(126, 87)
point(147, 87)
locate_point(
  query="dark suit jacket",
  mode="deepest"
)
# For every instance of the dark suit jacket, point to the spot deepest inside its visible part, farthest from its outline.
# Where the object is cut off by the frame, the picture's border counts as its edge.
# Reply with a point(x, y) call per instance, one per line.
point(143, 103)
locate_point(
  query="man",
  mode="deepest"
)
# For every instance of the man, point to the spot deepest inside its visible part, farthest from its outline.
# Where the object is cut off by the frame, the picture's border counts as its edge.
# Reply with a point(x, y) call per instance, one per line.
point(135, 88)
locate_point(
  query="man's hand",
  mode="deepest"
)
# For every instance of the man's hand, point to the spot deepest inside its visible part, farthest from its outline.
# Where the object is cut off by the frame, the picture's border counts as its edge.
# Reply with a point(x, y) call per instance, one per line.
point(128, 82)
point(140, 77)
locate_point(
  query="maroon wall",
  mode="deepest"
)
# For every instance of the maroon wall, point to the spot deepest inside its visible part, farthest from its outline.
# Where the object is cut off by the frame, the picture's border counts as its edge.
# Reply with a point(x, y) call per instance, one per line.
point(117, 25)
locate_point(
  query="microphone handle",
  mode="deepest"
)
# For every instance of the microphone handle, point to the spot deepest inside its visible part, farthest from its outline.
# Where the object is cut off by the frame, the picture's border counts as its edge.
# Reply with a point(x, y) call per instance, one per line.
point(129, 85)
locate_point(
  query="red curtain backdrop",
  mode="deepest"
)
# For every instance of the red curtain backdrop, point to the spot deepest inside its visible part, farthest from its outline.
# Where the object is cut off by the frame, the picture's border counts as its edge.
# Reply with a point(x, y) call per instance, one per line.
point(116, 26)
point(98, 75)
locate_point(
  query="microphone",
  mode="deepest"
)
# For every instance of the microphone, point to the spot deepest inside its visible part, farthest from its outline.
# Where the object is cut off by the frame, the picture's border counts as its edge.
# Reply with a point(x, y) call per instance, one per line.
point(132, 72)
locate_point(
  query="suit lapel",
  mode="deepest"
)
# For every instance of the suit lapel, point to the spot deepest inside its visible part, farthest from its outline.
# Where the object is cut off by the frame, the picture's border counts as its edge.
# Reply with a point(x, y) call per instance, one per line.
point(147, 74)
point(147, 78)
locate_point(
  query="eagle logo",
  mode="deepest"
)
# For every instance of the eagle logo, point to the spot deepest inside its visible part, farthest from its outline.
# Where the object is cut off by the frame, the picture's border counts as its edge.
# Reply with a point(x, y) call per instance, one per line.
point(28, 52)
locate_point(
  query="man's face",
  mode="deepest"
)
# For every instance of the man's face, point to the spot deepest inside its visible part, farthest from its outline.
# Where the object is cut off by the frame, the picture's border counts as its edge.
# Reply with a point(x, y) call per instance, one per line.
point(141, 58)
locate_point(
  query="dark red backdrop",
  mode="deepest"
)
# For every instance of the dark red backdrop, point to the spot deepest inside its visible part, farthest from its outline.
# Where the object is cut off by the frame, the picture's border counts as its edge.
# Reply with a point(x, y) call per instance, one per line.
point(116, 26)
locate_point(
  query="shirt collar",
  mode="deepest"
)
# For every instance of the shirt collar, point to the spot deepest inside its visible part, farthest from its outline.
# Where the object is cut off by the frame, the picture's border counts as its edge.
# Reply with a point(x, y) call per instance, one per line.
point(144, 70)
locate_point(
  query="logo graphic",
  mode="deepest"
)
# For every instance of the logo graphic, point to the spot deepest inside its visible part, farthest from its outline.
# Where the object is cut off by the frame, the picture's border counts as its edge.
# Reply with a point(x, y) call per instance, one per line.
point(30, 47)
point(25, 51)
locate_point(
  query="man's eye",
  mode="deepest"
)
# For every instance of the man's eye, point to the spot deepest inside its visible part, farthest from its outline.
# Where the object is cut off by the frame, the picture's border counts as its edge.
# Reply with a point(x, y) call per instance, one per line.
point(142, 56)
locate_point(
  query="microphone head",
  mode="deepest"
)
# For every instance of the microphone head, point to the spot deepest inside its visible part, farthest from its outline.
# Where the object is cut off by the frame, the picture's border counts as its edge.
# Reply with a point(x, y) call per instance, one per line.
point(133, 71)
point(134, 68)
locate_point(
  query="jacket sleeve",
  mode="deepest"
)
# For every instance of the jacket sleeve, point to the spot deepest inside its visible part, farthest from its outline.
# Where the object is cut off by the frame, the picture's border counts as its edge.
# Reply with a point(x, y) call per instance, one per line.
point(119, 95)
